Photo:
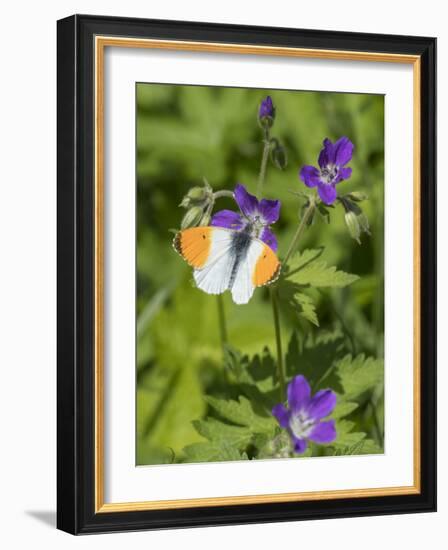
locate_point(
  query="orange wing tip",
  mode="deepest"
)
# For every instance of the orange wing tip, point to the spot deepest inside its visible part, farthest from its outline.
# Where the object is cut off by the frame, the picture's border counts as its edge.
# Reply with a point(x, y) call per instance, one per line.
point(194, 245)
point(267, 269)
point(275, 277)
point(276, 274)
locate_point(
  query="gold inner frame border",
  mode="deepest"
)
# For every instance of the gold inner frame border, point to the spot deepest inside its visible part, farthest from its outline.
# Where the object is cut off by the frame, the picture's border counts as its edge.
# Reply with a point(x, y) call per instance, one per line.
point(101, 42)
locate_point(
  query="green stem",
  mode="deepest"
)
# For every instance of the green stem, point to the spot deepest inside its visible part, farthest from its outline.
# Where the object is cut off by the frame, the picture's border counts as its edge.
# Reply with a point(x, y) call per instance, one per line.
point(278, 340)
point(306, 216)
point(223, 193)
point(214, 196)
point(263, 166)
point(222, 320)
point(275, 311)
point(316, 386)
point(281, 374)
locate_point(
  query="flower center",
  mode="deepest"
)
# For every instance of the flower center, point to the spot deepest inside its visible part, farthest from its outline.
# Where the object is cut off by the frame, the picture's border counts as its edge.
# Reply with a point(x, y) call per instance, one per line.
point(255, 226)
point(329, 173)
point(301, 425)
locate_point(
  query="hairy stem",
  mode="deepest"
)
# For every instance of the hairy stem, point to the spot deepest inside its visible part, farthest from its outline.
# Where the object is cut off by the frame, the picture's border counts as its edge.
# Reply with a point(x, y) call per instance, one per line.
point(223, 193)
point(278, 340)
point(222, 320)
point(263, 166)
point(306, 217)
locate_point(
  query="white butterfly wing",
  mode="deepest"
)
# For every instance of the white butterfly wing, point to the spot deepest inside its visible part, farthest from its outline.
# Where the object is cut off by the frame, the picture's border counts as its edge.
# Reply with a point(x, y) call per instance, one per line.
point(243, 285)
point(214, 277)
point(260, 267)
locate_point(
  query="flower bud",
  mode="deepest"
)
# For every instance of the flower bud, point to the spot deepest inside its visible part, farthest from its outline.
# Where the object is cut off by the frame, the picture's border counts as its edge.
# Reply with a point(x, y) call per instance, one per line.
point(196, 196)
point(278, 156)
point(266, 113)
point(192, 217)
point(364, 223)
point(357, 196)
point(354, 228)
point(355, 218)
point(197, 193)
point(185, 203)
point(324, 213)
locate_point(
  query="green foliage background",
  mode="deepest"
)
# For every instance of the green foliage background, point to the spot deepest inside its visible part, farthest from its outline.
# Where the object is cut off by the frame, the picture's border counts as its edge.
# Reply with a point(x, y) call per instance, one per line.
point(186, 133)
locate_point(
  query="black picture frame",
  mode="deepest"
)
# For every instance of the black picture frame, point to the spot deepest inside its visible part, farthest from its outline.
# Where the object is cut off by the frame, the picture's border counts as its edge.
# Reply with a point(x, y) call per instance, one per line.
point(76, 254)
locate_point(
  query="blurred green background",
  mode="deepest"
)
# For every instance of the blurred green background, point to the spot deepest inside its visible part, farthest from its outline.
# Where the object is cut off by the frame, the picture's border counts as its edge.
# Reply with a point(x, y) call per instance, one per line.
point(186, 133)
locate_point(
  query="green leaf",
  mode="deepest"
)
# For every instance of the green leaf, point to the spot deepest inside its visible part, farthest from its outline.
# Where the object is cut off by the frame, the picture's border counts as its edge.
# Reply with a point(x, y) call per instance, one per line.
point(230, 441)
point(292, 298)
point(354, 443)
point(343, 408)
point(306, 270)
point(212, 452)
point(241, 412)
point(261, 369)
point(369, 447)
point(300, 260)
point(214, 430)
point(255, 378)
point(233, 360)
point(359, 375)
point(346, 439)
point(349, 442)
point(315, 357)
point(308, 308)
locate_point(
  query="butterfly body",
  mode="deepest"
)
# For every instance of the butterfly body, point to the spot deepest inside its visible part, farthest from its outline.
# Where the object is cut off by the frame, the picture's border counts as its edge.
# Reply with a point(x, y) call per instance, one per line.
point(226, 259)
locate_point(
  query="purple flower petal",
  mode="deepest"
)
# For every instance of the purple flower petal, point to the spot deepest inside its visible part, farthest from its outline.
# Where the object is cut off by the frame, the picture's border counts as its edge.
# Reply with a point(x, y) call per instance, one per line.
point(322, 404)
point(299, 392)
point(327, 154)
point(310, 176)
point(327, 193)
point(228, 219)
point(300, 445)
point(343, 174)
point(343, 151)
point(323, 432)
point(248, 203)
point(269, 238)
point(266, 107)
point(281, 414)
point(269, 211)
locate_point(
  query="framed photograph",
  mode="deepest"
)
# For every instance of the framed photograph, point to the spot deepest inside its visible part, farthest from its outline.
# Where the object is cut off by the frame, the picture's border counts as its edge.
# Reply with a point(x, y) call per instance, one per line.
point(246, 274)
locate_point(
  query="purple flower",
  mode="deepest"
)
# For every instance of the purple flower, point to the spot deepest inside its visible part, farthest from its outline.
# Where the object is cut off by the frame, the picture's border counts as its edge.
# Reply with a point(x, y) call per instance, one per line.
point(303, 419)
point(255, 218)
point(267, 108)
point(332, 160)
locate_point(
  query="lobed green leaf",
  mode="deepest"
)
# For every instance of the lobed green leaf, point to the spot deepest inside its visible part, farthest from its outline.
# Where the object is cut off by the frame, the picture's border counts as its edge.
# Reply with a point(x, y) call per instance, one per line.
point(241, 412)
point(305, 270)
point(216, 451)
point(359, 374)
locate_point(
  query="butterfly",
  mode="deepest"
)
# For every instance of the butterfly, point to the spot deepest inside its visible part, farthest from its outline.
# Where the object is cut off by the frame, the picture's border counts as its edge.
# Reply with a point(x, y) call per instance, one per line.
point(227, 259)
